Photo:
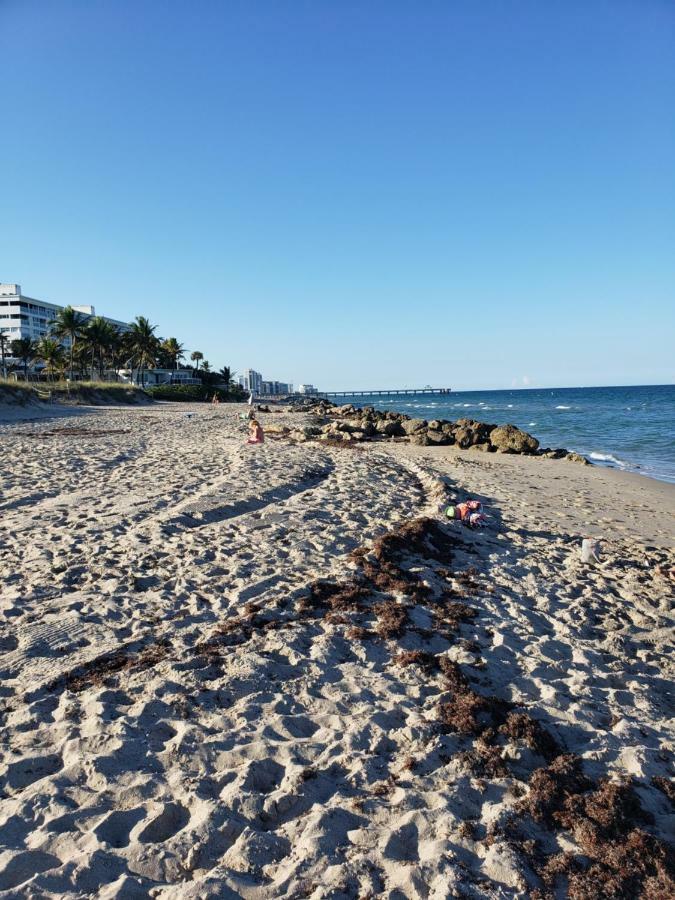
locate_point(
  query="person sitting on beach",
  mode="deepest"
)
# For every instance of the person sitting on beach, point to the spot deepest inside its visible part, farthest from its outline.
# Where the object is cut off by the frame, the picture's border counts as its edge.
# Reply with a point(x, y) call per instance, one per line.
point(215, 400)
point(256, 435)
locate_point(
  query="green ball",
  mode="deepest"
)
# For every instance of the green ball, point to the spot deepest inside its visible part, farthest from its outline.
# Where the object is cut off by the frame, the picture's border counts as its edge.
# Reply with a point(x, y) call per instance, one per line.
point(450, 512)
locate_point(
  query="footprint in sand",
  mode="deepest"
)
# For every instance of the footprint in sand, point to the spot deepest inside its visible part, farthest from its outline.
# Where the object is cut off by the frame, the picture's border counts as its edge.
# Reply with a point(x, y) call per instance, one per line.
point(172, 819)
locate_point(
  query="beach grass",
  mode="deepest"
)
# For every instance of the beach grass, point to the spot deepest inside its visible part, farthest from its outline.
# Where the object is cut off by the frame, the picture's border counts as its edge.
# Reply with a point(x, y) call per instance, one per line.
point(94, 393)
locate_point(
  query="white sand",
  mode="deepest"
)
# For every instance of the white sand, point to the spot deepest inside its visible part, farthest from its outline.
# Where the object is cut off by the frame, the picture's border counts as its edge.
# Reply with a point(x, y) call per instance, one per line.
point(299, 762)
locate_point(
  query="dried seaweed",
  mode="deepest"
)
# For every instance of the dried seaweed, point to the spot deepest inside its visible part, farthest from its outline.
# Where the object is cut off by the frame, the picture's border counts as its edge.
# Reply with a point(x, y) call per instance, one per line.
point(552, 786)
point(345, 595)
point(391, 619)
point(358, 633)
point(423, 537)
point(74, 432)
point(468, 712)
point(421, 658)
point(98, 671)
point(454, 677)
point(608, 813)
point(666, 786)
point(522, 728)
point(382, 566)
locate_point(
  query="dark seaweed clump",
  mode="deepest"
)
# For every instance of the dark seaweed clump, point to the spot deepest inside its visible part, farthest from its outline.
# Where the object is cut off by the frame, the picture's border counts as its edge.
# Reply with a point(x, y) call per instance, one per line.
point(97, 672)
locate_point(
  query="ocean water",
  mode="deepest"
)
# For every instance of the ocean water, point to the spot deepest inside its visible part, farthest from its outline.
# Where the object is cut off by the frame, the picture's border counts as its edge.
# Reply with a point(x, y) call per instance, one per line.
point(630, 428)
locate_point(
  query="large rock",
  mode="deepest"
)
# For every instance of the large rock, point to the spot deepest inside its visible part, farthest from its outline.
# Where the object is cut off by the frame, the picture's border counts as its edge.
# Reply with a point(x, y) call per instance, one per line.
point(463, 437)
point(558, 453)
point(509, 439)
point(420, 438)
point(413, 426)
point(342, 426)
point(469, 432)
point(437, 437)
point(389, 428)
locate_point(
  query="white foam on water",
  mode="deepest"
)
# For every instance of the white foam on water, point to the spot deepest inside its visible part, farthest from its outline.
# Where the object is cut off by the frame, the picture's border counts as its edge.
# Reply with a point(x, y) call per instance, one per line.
point(608, 458)
point(563, 407)
point(509, 405)
point(530, 424)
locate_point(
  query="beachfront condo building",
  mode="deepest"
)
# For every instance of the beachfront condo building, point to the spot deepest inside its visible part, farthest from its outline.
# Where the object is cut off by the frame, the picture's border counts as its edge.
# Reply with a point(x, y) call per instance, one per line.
point(26, 317)
point(251, 381)
point(276, 388)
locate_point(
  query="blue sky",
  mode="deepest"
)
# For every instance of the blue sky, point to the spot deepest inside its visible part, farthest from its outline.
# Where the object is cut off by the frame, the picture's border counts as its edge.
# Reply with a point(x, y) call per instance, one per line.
point(374, 194)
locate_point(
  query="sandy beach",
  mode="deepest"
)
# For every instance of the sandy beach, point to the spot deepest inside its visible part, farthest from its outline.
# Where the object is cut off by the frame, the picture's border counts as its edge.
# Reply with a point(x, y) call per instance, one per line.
point(229, 671)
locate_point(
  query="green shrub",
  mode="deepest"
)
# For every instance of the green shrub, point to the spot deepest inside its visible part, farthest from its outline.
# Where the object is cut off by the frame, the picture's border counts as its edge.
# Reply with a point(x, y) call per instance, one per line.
point(187, 392)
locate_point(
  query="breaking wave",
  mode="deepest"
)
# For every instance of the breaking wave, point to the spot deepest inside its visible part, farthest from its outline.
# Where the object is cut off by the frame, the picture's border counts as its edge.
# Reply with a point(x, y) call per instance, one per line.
point(608, 458)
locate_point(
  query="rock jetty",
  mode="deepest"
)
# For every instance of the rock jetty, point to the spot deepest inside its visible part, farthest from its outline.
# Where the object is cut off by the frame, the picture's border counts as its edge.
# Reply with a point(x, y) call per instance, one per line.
point(348, 423)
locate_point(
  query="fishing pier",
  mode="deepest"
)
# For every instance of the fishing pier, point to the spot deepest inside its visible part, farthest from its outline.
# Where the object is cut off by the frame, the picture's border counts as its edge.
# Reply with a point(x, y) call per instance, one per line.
point(386, 393)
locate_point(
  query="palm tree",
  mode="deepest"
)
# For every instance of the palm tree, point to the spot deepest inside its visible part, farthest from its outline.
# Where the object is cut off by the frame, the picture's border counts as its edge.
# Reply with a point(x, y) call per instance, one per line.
point(142, 345)
point(51, 354)
point(196, 356)
point(227, 374)
point(3, 342)
point(206, 366)
point(25, 350)
point(67, 325)
point(101, 337)
point(172, 350)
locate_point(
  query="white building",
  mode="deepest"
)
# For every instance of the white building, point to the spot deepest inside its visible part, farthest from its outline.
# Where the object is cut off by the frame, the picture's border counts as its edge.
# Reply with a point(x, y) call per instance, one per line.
point(251, 381)
point(276, 388)
point(25, 317)
point(307, 389)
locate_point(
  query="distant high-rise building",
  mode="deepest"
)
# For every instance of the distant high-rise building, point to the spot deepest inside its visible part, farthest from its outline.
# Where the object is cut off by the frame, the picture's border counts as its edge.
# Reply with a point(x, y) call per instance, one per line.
point(307, 389)
point(251, 381)
point(276, 388)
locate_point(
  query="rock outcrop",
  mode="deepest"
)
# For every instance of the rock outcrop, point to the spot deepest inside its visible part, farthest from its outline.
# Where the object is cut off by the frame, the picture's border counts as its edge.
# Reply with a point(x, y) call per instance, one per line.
point(347, 423)
point(509, 439)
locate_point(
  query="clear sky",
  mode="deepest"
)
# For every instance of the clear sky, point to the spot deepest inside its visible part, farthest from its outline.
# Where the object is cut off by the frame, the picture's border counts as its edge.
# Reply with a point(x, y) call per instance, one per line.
point(476, 193)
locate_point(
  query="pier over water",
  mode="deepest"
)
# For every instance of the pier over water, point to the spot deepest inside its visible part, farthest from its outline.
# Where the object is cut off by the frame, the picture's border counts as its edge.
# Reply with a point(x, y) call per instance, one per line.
point(385, 393)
